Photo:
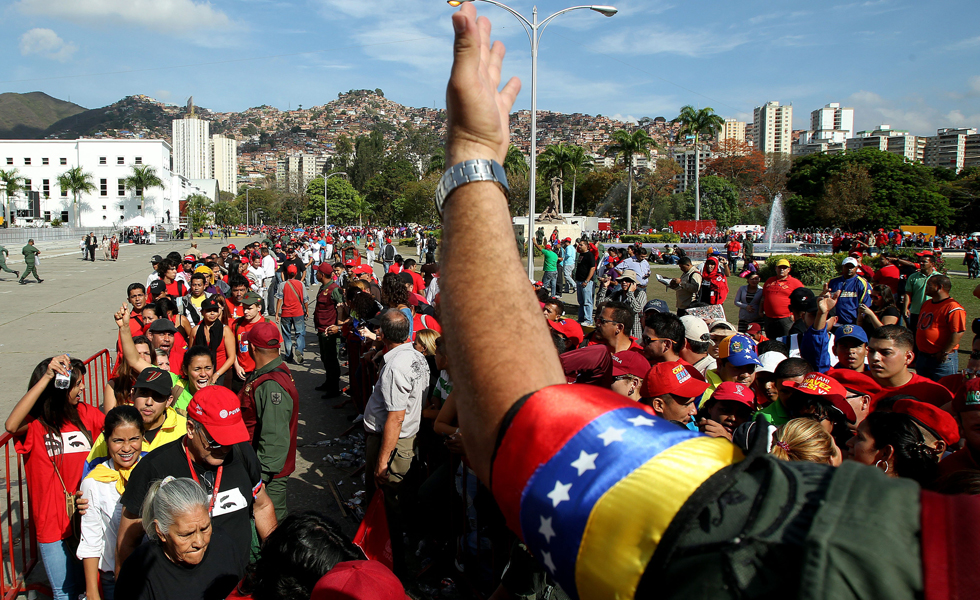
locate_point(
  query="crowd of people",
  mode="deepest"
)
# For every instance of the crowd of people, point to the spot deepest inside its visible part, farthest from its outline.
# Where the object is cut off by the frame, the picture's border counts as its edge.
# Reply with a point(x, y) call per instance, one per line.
point(636, 450)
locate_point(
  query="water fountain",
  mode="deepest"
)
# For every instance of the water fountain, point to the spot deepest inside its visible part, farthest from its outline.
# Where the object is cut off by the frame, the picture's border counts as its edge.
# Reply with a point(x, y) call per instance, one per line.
point(776, 228)
point(615, 193)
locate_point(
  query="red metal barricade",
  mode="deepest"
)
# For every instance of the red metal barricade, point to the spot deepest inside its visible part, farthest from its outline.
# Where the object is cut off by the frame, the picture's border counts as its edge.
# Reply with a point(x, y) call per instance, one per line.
point(18, 539)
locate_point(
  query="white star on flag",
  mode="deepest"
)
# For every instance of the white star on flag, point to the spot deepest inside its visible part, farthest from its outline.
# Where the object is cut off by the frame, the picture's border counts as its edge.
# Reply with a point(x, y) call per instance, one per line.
point(560, 493)
point(585, 462)
point(546, 530)
point(611, 435)
point(640, 420)
point(546, 557)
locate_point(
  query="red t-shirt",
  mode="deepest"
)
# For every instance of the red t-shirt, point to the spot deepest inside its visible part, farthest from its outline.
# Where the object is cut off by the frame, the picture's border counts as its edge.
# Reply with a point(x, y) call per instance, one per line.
point(68, 450)
point(418, 284)
point(241, 344)
point(938, 321)
point(888, 275)
point(233, 310)
point(775, 296)
point(395, 268)
point(420, 322)
point(177, 352)
point(292, 298)
point(176, 289)
point(920, 387)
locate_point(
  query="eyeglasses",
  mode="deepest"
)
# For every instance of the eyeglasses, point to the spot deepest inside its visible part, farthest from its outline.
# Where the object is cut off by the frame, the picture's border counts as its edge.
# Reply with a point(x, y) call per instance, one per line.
point(209, 444)
point(648, 340)
point(601, 321)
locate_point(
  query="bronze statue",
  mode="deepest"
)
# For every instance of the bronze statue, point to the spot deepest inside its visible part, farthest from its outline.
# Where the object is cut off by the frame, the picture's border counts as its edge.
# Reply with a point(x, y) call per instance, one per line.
point(551, 214)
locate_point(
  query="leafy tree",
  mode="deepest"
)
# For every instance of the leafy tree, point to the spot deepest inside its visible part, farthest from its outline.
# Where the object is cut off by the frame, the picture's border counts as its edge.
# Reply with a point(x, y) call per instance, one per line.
point(846, 197)
point(369, 158)
point(416, 205)
point(341, 201)
point(15, 183)
point(720, 201)
point(417, 146)
point(594, 188)
point(382, 189)
point(738, 163)
point(697, 122)
point(343, 153)
point(580, 161)
point(659, 185)
point(142, 179)
point(556, 161)
point(199, 212)
point(77, 182)
point(437, 162)
point(515, 162)
point(226, 214)
point(627, 145)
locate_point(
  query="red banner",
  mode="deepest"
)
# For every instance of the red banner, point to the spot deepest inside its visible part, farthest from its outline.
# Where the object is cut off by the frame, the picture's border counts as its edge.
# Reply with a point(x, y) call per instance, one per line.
point(372, 536)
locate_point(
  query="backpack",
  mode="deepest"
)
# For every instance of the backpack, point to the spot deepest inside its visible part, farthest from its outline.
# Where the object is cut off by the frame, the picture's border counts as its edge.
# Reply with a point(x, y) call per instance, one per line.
point(389, 253)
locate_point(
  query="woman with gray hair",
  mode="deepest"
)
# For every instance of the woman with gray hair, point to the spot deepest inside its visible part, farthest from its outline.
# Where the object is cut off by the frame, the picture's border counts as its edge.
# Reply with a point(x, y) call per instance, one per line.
point(184, 558)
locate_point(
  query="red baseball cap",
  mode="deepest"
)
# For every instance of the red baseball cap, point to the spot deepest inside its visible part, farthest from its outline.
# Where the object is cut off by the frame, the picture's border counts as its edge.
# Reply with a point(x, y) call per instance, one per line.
point(359, 580)
point(939, 422)
point(363, 269)
point(924, 253)
point(818, 384)
point(967, 399)
point(190, 258)
point(570, 329)
point(219, 410)
point(858, 383)
point(232, 247)
point(672, 378)
point(349, 262)
point(263, 335)
point(735, 392)
point(629, 362)
point(325, 268)
point(753, 329)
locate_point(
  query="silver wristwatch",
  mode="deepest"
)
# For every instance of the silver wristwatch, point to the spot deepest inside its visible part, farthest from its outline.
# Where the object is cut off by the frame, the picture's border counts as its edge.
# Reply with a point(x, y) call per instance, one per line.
point(468, 171)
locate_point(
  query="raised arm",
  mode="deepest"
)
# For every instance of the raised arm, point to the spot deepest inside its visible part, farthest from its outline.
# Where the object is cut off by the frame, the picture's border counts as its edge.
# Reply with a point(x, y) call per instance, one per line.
point(493, 366)
point(59, 364)
point(126, 339)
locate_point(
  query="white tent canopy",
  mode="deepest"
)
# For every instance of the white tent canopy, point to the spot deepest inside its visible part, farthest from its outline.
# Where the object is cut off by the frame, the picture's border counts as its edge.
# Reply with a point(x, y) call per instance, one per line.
point(140, 221)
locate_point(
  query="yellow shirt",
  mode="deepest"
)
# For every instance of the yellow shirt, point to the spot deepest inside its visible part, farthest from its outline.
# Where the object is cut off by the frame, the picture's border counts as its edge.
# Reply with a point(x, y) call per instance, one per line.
point(173, 428)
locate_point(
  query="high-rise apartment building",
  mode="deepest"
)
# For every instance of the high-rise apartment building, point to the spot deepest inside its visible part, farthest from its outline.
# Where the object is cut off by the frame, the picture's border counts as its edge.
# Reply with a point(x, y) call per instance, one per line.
point(948, 148)
point(732, 130)
point(832, 123)
point(685, 157)
point(886, 139)
point(772, 128)
point(293, 172)
point(192, 147)
point(224, 156)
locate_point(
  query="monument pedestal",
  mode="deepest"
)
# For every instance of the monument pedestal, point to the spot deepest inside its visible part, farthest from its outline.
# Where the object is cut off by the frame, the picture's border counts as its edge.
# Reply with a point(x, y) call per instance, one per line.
point(564, 230)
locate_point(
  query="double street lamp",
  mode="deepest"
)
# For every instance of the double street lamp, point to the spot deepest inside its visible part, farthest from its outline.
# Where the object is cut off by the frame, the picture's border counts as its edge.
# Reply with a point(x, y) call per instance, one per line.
point(534, 29)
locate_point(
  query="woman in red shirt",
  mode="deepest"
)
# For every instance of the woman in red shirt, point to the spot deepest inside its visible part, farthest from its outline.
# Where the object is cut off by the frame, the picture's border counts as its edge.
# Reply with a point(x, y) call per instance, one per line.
point(55, 433)
point(213, 335)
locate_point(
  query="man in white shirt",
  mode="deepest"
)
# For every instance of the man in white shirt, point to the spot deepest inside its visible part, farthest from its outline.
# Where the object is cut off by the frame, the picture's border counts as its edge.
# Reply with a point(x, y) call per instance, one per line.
point(269, 266)
point(391, 420)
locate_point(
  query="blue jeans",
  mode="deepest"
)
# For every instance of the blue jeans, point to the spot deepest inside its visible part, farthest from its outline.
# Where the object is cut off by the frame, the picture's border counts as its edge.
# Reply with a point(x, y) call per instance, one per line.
point(550, 281)
point(928, 366)
point(64, 571)
point(108, 581)
point(585, 300)
point(569, 284)
point(293, 327)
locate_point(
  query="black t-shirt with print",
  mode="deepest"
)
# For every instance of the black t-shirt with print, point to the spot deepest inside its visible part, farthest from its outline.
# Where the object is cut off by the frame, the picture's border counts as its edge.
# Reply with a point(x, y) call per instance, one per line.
point(300, 265)
point(233, 506)
point(585, 265)
point(149, 575)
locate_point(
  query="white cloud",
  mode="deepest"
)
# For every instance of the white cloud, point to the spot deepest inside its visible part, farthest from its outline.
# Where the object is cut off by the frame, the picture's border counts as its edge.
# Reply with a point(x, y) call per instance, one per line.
point(659, 40)
point(46, 43)
point(915, 114)
point(166, 16)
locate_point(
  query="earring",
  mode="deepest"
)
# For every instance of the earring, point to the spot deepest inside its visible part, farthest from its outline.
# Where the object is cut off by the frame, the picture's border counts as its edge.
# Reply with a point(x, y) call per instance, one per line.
point(882, 462)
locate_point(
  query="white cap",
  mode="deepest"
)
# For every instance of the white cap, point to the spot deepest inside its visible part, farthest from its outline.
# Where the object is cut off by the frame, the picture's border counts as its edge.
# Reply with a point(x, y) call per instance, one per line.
point(850, 260)
point(695, 329)
point(770, 360)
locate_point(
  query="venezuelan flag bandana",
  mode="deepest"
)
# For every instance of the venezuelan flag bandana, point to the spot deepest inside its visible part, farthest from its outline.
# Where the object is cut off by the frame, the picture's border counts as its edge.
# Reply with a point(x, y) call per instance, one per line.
point(590, 482)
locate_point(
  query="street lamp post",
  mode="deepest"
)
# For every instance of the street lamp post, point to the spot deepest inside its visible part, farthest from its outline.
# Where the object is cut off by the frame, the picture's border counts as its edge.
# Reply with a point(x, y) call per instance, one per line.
point(325, 196)
point(534, 29)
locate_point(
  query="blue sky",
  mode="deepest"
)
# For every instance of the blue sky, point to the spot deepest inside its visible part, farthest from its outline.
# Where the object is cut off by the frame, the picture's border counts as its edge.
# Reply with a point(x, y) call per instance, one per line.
point(913, 65)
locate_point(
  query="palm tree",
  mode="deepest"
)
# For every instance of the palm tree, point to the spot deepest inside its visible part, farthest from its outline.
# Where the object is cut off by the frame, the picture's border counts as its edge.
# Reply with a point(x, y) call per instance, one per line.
point(628, 145)
point(515, 162)
point(77, 182)
point(555, 161)
point(698, 122)
point(142, 179)
point(15, 183)
point(361, 207)
point(580, 161)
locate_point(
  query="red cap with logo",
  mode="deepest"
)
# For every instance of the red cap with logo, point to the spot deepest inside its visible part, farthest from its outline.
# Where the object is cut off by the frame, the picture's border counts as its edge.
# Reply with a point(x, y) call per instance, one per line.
point(859, 383)
point(968, 398)
point(629, 362)
point(672, 378)
point(219, 410)
point(359, 580)
point(818, 384)
point(734, 392)
point(570, 329)
point(263, 335)
point(939, 422)
point(363, 269)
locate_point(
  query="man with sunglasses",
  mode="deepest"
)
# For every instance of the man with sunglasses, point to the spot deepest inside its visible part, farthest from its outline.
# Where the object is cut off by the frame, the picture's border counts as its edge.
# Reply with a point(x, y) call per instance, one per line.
point(216, 453)
point(663, 337)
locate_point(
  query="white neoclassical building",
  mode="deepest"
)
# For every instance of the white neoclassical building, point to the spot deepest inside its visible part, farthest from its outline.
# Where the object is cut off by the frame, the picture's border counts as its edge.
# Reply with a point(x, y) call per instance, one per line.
point(109, 162)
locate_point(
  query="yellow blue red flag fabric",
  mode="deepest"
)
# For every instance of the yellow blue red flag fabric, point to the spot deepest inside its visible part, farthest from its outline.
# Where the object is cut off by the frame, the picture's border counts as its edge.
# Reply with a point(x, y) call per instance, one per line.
point(590, 481)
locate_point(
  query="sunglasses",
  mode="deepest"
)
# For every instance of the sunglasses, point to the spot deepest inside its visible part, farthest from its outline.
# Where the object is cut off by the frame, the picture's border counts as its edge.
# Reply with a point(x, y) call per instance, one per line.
point(209, 443)
point(648, 340)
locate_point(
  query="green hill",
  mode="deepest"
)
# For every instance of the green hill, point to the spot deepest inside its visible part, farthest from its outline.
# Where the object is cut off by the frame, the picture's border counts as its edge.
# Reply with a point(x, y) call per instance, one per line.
point(28, 116)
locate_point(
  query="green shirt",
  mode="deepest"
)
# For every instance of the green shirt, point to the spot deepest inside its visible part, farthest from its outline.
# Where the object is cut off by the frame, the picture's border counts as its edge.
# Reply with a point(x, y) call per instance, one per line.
point(915, 287)
point(775, 413)
point(3, 253)
point(30, 252)
point(550, 260)
point(273, 410)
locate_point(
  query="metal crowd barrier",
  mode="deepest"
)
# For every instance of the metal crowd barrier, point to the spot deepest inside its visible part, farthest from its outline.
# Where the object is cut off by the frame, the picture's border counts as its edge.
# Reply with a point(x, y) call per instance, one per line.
point(18, 537)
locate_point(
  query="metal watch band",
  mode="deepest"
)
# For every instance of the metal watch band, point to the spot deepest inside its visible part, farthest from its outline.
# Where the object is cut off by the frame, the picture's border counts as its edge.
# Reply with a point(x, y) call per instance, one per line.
point(468, 171)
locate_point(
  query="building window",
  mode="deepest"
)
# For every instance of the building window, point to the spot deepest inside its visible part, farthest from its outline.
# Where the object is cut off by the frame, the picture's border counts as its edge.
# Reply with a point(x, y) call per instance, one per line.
point(47, 216)
point(27, 184)
point(103, 217)
point(44, 161)
point(27, 162)
point(46, 187)
point(10, 160)
point(103, 207)
point(104, 187)
point(63, 161)
point(102, 160)
point(120, 160)
point(122, 186)
point(139, 160)
point(64, 216)
point(122, 207)
point(64, 193)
